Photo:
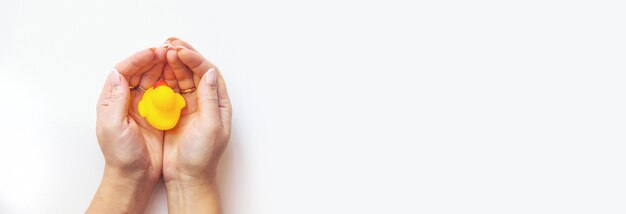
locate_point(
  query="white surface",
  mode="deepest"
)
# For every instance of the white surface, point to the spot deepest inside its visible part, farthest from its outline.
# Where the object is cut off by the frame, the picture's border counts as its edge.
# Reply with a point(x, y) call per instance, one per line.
point(340, 106)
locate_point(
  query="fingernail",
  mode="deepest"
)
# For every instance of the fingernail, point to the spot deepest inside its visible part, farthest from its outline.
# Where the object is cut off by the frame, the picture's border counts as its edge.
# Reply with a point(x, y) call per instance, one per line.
point(180, 48)
point(153, 49)
point(166, 47)
point(211, 77)
point(115, 77)
point(170, 47)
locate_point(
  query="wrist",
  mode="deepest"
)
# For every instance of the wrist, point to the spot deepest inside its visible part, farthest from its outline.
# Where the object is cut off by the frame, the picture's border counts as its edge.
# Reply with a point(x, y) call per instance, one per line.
point(191, 185)
point(192, 195)
point(122, 192)
point(143, 177)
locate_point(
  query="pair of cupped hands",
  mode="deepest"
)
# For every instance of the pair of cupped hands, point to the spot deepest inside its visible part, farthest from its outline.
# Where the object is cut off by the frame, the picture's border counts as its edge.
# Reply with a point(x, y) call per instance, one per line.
point(137, 155)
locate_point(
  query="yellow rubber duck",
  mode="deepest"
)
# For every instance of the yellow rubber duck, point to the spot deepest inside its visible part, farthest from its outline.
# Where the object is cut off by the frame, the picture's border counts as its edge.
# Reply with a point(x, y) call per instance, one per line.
point(161, 106)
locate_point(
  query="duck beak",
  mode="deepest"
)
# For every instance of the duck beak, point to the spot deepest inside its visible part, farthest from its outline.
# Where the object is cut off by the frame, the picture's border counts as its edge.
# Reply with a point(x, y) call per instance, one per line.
point(160, 83)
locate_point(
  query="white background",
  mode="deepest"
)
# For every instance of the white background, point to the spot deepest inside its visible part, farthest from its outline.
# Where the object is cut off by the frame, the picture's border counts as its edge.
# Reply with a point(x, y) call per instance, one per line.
point(340, 106)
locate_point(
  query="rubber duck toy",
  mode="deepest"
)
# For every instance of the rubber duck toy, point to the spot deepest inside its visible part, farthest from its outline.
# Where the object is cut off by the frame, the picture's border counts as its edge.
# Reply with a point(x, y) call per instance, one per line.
point(161, 106)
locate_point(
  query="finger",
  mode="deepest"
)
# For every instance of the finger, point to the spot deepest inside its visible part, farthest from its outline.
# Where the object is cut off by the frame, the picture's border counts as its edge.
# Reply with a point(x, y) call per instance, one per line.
point(133, 64)
point(161, 52)
point(113, 101)
point(225, 106)
point(136, 78)
point(178, 42)
point(159, 56)
point(194, 60)
point(199, 66)
point(152, 75)
point(181, 71)
point(208, 104)
point(172, 82)
point(170, 79)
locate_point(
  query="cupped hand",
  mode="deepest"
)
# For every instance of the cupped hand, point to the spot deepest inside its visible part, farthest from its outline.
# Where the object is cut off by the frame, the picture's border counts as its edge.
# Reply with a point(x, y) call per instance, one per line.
point(193, 148)
point(128, 142)
point(132, 148)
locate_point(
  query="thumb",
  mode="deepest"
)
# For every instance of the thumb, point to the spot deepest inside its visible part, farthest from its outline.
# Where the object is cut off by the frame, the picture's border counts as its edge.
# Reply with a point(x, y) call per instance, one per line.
point(113, 102)
point(208, 104)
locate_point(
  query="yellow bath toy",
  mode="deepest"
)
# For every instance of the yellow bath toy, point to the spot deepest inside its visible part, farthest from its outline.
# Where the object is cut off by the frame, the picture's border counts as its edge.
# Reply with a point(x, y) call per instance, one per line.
point(161, 106)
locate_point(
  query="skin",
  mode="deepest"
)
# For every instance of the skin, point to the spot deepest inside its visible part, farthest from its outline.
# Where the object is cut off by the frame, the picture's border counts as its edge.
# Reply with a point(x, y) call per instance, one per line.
point(137, 155)
point(193, 148)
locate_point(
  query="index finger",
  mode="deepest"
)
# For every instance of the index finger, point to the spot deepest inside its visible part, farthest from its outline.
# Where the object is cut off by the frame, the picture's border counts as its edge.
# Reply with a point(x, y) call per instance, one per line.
point(133, 64)
point(198, 64)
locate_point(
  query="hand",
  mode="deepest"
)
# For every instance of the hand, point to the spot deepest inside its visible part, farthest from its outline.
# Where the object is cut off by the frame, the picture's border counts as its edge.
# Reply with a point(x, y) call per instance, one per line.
point(193, 148)
point(132, 148)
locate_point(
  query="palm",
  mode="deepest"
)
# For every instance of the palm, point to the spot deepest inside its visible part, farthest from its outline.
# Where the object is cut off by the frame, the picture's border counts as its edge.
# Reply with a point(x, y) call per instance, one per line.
point(185, 147)
point(147, 138)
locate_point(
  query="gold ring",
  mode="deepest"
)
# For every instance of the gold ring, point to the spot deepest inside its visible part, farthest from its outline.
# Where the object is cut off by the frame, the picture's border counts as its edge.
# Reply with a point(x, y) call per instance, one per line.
point(186, 91)
point(131, 87)
point(141, 88)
